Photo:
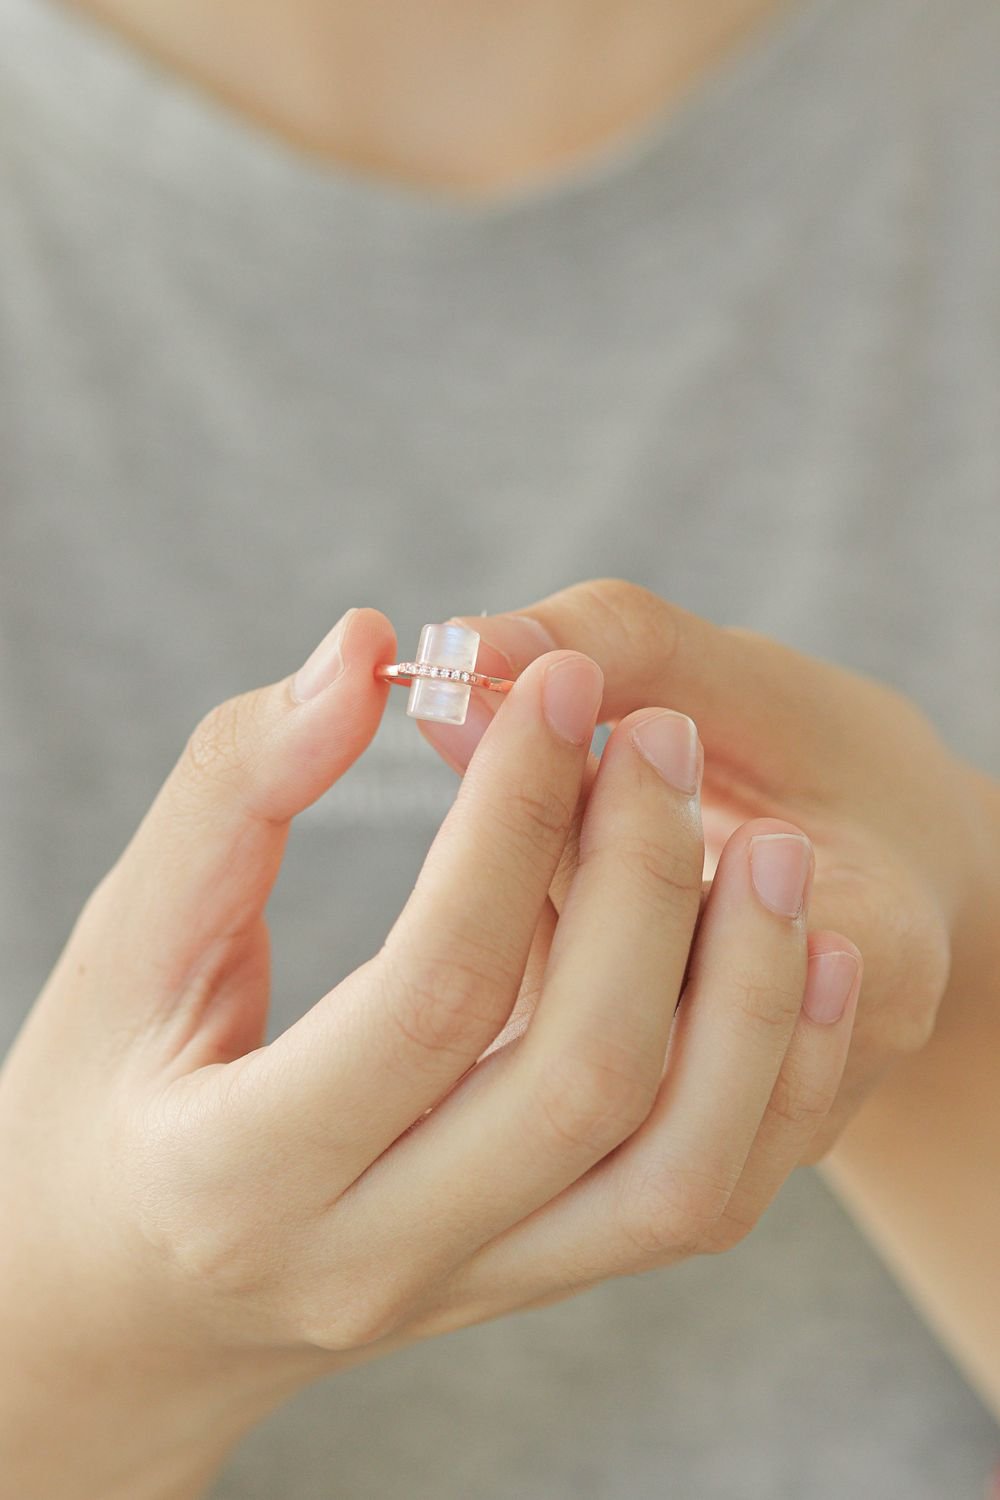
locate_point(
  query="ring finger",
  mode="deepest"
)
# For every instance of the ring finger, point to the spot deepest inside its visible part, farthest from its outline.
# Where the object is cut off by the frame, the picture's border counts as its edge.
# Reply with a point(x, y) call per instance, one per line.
point(659, 1195)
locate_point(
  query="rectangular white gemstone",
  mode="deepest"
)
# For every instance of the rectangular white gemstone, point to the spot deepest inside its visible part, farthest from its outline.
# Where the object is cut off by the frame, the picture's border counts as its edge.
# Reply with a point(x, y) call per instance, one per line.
point(444, 700)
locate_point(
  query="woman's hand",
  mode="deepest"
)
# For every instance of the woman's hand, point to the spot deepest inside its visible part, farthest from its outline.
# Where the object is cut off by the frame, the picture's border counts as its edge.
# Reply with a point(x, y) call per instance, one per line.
point(906, 835)
point(484, 1116)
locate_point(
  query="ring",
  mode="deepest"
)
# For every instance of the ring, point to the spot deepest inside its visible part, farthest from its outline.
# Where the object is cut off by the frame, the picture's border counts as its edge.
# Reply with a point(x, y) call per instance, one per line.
point(443, 674)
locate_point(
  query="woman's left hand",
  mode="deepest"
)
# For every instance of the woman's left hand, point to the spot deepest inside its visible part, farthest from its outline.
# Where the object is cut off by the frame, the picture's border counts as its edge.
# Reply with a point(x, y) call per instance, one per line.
point(905, 857)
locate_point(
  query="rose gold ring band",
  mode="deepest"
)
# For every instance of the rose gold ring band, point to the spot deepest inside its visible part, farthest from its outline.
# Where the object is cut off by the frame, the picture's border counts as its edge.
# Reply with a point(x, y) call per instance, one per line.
point(404, 671)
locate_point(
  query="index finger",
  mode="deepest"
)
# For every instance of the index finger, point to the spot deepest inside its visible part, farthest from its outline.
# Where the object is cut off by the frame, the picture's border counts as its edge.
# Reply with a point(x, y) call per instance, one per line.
point(380, 1050)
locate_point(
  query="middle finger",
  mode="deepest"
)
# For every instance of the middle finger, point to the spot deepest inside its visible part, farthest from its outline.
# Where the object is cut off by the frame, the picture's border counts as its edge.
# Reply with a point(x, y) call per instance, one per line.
point(532, 1118)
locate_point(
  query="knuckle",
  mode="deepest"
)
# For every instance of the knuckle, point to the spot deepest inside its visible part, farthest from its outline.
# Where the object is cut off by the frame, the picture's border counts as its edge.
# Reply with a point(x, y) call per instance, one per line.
point(621, 596)
point(666, 874)
point(189, 1213)
point(912, 958)
point(214, 1252)
point(214, 746)
point(539, 815)
point(800, 1102)
point(923, 967)
point(443, 1005)
point(358, 1319)
point(633, 611)
point(218, 751)
point(908, 1025)
point(763, 1002)
point(668, 1208)
point(592, 1099)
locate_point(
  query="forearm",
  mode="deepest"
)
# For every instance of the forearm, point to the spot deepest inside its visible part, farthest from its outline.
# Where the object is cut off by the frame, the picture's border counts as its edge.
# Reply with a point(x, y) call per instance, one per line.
point(919, 1168)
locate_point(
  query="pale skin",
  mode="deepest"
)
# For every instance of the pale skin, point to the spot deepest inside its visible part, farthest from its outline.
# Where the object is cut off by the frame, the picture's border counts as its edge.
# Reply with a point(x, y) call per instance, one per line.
point(907, 838)
point(420, 91)
point(202, 1222)
point(205, 1223)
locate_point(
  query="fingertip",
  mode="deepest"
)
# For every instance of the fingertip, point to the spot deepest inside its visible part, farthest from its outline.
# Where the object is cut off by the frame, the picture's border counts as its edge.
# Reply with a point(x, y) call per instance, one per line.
point(833, 978)
point(337, 704)
point(371, 640)
point(826, 940)
point(540, 665)
point(361, 637)
point(779, 858)
point(755, 827)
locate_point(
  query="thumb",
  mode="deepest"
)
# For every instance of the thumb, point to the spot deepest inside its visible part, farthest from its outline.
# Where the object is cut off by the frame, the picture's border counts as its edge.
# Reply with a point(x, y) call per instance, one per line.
point(200, 867)
point(763, 710)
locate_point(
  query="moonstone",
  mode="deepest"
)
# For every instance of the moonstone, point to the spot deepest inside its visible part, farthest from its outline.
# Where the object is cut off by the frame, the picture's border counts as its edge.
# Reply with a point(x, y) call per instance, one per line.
point(444, 700)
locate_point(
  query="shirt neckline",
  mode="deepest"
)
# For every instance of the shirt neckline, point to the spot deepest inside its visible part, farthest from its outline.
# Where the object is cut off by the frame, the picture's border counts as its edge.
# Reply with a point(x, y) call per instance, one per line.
point(97, 89)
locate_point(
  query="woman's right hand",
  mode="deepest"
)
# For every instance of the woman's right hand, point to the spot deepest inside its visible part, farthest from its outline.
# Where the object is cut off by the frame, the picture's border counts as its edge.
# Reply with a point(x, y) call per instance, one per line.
point(485, 1116)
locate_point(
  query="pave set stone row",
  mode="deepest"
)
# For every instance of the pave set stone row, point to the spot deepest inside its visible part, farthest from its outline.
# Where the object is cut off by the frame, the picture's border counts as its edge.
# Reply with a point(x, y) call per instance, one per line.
point(422, 669)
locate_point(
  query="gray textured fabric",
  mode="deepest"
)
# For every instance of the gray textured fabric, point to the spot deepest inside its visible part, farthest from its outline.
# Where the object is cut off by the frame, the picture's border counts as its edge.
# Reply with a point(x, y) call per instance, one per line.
point(750, 358)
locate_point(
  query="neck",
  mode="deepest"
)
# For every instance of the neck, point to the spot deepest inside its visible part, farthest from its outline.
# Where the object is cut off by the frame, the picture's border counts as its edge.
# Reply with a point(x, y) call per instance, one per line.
point(469, 96)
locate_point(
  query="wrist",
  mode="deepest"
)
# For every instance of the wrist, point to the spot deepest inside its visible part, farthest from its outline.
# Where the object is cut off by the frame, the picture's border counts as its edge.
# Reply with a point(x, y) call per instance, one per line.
point(116, 1411)
point(72, 1429)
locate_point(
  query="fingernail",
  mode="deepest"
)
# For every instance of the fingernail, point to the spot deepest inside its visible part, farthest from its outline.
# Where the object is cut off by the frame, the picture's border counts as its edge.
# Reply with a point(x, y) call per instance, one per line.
point(669, 741)
point(518, 637)
point(829, 983)
point(456, 742)
point(779, 867)
point(324, 665)
point(571, 697)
